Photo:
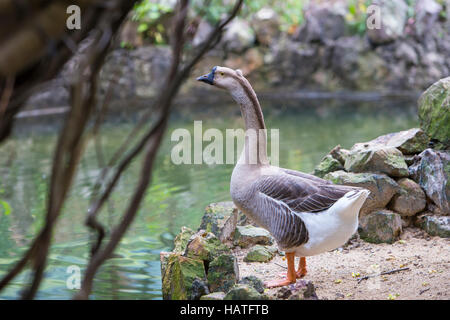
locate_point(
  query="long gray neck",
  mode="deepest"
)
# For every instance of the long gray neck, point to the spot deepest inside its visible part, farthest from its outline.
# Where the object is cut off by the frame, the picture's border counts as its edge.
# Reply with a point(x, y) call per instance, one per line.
point(255, 146)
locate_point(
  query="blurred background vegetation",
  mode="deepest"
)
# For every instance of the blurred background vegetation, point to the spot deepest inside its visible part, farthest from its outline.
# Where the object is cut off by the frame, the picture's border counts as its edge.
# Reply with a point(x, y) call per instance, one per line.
point(152, 15)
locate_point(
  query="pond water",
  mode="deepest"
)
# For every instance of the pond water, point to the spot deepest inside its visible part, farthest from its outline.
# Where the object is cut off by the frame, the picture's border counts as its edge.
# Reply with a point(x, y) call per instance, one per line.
point(177, 196)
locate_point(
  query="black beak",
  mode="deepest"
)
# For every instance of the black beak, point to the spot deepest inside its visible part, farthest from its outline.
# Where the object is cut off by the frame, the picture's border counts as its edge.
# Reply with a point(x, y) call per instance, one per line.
point(208, 78)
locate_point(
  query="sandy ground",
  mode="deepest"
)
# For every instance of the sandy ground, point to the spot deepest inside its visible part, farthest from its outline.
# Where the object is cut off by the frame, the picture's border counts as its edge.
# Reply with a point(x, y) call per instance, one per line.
point(335, 274)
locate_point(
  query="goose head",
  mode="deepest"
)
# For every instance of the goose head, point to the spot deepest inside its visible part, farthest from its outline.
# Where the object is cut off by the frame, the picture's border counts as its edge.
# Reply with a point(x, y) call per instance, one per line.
point(222, 77)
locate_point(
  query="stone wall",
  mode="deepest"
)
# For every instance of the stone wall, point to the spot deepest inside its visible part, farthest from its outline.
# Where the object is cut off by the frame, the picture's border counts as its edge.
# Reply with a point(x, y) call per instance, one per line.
point(406, 54)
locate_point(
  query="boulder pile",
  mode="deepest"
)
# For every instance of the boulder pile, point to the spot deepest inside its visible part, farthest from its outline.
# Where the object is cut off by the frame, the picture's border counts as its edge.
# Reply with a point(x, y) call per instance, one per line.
point(202, 264)
point(407, 173)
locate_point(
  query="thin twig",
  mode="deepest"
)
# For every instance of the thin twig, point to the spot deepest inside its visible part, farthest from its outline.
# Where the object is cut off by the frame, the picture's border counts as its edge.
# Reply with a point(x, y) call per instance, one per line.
point(423, 291)
point(381, 274)
point(284, 267)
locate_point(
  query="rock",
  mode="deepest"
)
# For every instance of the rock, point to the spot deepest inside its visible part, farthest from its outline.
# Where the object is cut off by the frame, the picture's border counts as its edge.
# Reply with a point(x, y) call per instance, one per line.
point(434, 111)
point(370, 157)
point(164, 258)
point(205, 246)
point(380, 226)
point(393, 15)
point(405, 52)
point(339, 154)
point(223, 273)
point(181, 240)
point(301, 290)
point(213, 296)
point(199, 288)
point(410, 198)
point(382, 188)
point(410, 141)
point(243, 220)
point(435, 225)
point(258, 253)
point(248, 235)
point(287, 54)
point(220, 219)
point(323, 23)
point(254, 282)
point(179, 277)
point(238, 36)
point(266, 24)
point(244, 292)
point(432, 172)
point(345, 59)
point(326, 165)
point(427, 13)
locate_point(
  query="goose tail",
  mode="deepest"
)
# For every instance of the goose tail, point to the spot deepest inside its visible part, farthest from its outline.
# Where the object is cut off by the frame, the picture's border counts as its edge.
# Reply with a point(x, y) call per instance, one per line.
point(351, 202)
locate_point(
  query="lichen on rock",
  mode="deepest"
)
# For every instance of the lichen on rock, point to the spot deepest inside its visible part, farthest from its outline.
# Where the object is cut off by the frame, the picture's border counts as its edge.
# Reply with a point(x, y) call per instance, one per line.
point(435, 225)
point(223, 273)
point(382, 188)
point(248, 235)
point(434, 111)
point(327, 164)
point(370, 157)
point(258, 253)
point(179, 277)
point(380, 226)
point(244, 292)
point(220, 219)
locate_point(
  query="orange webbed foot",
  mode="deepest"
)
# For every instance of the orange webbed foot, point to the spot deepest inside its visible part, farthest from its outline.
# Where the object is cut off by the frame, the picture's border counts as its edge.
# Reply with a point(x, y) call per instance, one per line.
point(278, 283)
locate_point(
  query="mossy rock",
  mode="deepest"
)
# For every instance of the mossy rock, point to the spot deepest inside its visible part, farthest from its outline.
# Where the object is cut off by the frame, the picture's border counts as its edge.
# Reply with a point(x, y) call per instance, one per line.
point(223, 273)
point(254, 282)
point(326, 165)
point(435, 225)
point(220, 219)
point(434, 111)
point(205, 246)
point(410, 141)
point(258, 253)
point(181, 240)
point(213, 296)
point(382, 188)
point(381, 226)
point(244, 292)
point(248, 235)
point(339, 153)
point(179, 277)
point(367, 157)
point(164, 259)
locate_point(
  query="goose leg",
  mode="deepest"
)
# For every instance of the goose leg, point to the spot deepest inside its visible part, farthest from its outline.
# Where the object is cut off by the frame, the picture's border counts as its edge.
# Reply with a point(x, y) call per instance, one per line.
point(291, 274)
point(301, 272)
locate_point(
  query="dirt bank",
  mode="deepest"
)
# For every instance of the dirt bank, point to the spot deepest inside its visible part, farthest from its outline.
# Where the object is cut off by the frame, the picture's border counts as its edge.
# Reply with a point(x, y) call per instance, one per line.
point(335, 274)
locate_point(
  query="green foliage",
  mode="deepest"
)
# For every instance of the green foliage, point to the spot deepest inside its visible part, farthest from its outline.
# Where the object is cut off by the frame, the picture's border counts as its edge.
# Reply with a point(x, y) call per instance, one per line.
point(149, 14)
point(357, 15)
point(6, 207)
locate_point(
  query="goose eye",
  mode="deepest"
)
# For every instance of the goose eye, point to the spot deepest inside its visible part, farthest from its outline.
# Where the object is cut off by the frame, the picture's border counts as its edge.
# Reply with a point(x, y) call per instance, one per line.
point(222, 73)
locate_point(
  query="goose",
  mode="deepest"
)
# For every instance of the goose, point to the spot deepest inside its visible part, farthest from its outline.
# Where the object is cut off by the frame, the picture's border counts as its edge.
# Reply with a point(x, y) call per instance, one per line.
point(305, 214)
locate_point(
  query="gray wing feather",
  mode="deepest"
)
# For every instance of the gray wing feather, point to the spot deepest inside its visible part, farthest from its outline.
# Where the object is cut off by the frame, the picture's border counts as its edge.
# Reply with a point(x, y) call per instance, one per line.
point(285, 194)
